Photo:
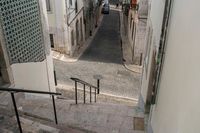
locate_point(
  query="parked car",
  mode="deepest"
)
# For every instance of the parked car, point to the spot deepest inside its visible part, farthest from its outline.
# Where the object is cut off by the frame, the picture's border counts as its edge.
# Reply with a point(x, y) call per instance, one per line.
point(105, 9)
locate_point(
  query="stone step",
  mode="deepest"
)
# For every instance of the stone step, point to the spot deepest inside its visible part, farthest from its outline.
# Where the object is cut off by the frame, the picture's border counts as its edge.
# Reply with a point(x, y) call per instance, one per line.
point(5, 131)
point(93, 117)
point(82, 118)
point(69, 94)
point(6, 101)
point(32, 124)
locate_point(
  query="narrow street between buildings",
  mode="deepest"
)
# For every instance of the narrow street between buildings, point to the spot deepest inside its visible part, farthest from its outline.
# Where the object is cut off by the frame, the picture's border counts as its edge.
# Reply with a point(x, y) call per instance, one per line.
point(104, 57)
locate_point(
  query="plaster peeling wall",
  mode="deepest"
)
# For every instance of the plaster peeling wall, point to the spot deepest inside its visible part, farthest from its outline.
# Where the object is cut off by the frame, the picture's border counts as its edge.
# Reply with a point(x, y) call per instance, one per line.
point(60, 11)
point(58, 25)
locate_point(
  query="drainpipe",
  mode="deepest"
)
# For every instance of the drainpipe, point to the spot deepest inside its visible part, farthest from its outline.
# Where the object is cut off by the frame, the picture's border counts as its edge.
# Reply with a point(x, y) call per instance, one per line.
point(134, 38)
point(162, 47)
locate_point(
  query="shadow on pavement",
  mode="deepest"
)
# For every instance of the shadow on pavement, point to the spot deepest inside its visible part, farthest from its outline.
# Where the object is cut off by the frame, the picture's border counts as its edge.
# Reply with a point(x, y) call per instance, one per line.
point(106, 46)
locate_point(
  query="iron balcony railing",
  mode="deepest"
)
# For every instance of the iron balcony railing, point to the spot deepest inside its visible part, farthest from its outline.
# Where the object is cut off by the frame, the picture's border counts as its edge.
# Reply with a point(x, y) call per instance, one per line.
point(14, 90)
point(96, 89)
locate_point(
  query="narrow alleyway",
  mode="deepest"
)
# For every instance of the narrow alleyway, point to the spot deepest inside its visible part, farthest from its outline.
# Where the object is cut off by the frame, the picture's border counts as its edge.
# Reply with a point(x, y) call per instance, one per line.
point(103, 56)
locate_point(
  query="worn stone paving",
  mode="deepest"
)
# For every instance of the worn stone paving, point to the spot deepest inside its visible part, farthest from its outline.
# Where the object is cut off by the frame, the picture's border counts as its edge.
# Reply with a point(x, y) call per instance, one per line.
point(95, 117)
point(104, 57)
point(72, 118)
point(8, 124)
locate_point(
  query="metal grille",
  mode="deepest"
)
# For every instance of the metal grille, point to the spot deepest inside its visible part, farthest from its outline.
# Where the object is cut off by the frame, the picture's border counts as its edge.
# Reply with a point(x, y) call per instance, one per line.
point(20, 20)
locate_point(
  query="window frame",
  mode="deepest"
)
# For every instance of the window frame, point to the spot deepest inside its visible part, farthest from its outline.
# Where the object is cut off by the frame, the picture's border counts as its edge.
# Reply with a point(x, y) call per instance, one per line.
point(48, 5)
point(51, 37)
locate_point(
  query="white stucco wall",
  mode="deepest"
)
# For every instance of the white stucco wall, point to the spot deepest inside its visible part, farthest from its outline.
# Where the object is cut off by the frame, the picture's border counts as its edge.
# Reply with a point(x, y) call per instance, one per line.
point(177, 109)
point(72, 17)
point(34, 76)
point(62, 22)
point(155, 18)
point(58, 25)
point(37, 75)
point(51, 14)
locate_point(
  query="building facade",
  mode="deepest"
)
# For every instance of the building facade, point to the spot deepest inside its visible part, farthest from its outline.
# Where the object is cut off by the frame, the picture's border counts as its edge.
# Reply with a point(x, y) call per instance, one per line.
point(171, 75)
point(136, 29)
point(66, 25)
point(25, 56)
point(92, 12)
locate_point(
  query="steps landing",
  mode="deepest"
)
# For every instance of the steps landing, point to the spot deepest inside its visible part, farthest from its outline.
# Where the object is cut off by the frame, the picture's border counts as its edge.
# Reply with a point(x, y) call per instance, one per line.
point(81, 118)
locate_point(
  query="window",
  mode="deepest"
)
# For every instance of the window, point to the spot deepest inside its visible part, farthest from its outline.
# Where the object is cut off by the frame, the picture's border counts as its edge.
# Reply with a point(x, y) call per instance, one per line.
point(77, 32)
point(48, 5)
point(51, 40)
point(70, 2)
point(76, 6)
point(81, 28)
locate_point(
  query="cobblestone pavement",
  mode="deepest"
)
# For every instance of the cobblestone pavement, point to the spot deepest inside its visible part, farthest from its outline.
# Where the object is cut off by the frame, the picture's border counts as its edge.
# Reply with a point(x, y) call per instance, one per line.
point(104, 57)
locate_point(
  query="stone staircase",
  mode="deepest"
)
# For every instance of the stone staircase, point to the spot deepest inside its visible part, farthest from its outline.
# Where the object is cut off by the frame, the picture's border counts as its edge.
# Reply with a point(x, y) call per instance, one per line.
point(37, 115)
point(32, 124)
point(68, 94)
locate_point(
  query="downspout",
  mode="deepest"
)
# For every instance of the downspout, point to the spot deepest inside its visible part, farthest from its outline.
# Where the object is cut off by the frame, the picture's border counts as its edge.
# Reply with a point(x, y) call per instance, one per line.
point(134, 38)
point(68, 32)
point(162, 47)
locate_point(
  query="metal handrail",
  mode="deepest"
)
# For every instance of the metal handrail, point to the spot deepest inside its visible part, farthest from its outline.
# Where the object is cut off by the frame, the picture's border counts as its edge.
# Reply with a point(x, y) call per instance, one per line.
point(76, 80)
point(83, 82)
point(28, 91)
point(14, 90)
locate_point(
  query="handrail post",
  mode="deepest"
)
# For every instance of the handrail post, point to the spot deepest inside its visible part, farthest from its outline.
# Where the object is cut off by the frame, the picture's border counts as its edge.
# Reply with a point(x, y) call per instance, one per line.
point(84, 93)
point(16, 112)
point(95, 97)
point(90, 94)
point(76, 99)
point(98, 78)
point(98, 85)
point(55, 79)
point(54, 108)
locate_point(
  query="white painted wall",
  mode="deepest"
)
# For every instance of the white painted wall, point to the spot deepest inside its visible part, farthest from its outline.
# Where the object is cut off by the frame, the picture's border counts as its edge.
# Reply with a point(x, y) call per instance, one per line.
point(177, 109)
point(155, 17)
point(37, 75)
point(61, 15)
point(72, 17)
point(58, 26)
point(34, 76)
point(51, 15)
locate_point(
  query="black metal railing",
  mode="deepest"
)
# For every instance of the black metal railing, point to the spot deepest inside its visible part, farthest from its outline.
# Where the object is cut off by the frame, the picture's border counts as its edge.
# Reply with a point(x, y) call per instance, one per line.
point(13, 91)
point(96, 89)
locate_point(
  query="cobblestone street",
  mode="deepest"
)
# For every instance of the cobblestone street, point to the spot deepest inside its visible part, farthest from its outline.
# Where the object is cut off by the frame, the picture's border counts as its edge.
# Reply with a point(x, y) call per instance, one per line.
point(104, 57)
